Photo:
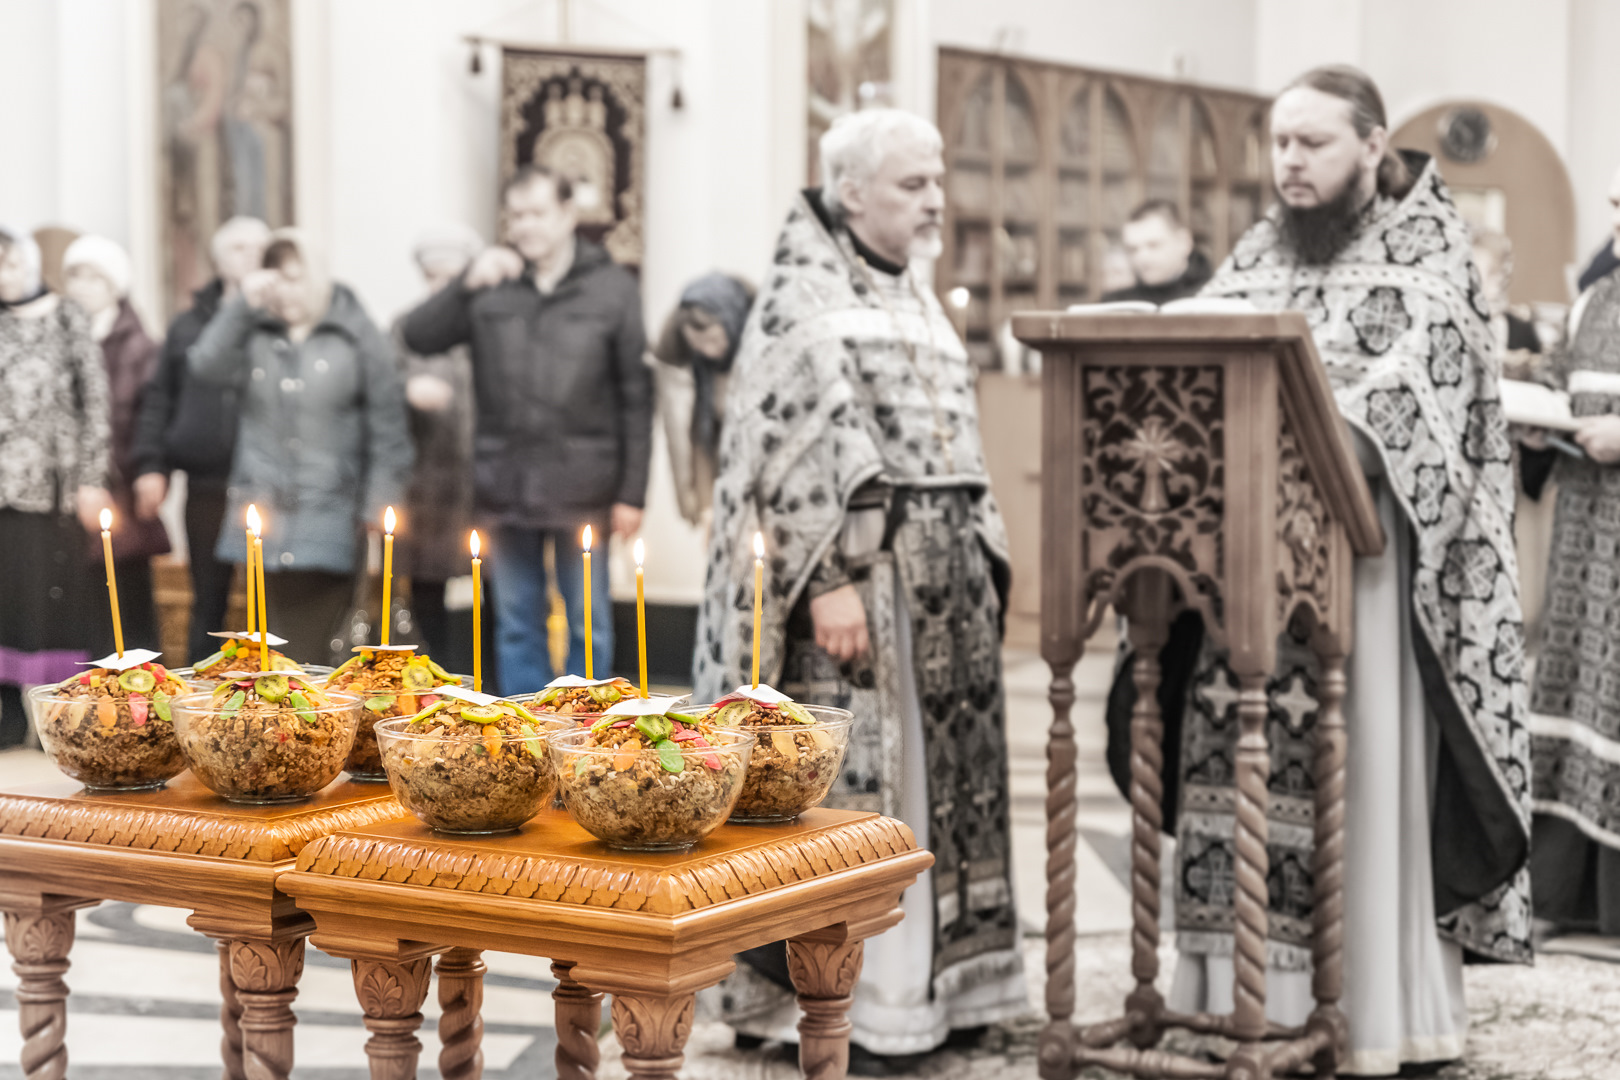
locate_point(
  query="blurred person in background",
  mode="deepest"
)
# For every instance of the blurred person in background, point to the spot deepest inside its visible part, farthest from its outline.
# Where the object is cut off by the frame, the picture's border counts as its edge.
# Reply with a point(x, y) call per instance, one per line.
point(564, 414)
point(53, 472)
point(432, 548)
point(190, 425)
point(96, 276)
point(323, 444)
point(1163, 260)
point(695, 351)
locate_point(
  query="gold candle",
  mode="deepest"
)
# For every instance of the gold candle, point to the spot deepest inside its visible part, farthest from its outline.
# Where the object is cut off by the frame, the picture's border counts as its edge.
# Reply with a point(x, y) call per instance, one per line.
point(587, 544)
point(388, 571)
point(250, 584)
point(478, 616)
point(112, 580)
point(641, 612)
point(264, 607)
point(759, 588)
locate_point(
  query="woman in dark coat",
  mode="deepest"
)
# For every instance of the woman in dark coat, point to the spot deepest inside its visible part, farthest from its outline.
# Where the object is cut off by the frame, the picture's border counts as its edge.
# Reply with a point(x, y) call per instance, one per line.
point(323, 445)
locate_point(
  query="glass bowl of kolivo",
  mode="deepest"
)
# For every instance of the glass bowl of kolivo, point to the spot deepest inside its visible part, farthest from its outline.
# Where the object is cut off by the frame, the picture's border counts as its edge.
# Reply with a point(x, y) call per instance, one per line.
point(469, 767)
point(798, 752)
point(270, 737)
point(659, 781)
point(112, 730)
point(391, 681)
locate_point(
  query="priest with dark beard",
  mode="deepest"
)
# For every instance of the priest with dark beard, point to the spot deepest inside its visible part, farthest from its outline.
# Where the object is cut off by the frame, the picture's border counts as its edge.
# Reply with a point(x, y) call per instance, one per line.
point(1367, 243)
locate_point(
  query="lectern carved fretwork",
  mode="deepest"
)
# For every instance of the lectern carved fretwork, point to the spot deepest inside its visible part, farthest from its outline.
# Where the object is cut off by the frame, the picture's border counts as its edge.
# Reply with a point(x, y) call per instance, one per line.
point(1196, 461)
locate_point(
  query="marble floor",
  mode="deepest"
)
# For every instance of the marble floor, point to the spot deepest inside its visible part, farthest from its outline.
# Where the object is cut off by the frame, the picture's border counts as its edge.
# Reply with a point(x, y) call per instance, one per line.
point(145, 998)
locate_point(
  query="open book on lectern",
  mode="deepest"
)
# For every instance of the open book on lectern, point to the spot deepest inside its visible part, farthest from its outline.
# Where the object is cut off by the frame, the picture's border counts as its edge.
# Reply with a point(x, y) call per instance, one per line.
point(1191, 305)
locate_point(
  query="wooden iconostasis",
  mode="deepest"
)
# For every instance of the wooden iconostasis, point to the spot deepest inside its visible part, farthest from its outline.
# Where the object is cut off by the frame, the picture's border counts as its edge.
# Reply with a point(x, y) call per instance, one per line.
point(1047, 160)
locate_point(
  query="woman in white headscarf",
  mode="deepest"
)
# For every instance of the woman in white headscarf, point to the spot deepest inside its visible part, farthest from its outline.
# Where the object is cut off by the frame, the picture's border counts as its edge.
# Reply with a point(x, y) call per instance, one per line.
point(53, 472)
point(96, 276)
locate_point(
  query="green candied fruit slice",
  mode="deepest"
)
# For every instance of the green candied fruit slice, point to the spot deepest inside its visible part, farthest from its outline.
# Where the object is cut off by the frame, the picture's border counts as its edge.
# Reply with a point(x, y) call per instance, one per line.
point(306, 713)
point(532, 743)
point(416, 677)
point(481, 712)
point(581, 765)
point(210, 662)
point(549, 696)
point(380, 704)
point(605, 695)
point(731, 714)
point(160, 702)
point(605, 723)
point(272, 688)
point(797, 712)
point(234, 705)
point(669, 756)
point(230, 650)
point(347, 665)
point(137, 681)
point(656, 728)
point(422, 721)
point(440, 672)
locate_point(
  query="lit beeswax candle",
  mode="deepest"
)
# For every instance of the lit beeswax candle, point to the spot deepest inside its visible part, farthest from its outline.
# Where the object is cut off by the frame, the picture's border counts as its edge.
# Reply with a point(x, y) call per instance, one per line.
point(112, 580)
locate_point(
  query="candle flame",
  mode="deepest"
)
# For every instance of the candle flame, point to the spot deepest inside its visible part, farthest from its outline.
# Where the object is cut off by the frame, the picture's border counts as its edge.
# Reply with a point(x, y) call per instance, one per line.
point(641, 554)
point(253, 518)
point(587, 540)
point(473, 543)
point(388, 521)
point(759, 545)
point(106, 519)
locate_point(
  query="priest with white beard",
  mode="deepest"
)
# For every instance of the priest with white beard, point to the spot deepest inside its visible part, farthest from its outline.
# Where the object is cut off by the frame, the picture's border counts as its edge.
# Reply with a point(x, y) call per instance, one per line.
point(851, 441)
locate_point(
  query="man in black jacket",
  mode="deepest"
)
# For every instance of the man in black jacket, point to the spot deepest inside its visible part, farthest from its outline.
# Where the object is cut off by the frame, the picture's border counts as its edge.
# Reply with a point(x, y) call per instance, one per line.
point(190, 425)
point(564, 415)
point(1160, 248)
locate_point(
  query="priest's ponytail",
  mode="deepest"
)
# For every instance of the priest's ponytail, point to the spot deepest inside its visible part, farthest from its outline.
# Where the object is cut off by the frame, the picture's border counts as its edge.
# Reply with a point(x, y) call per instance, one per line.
point(1352, 85)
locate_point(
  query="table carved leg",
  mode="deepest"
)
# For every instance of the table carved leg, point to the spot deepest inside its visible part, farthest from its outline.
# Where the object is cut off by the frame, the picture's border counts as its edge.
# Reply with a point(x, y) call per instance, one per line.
point(265, 974)
point(391, 993)
point(461, 1021)
point(578, 1012)
point(824, 974)
point(230, 1017)
point(39, 939)
point(1149, 612)
point(1327, 938)
point(653, 1029)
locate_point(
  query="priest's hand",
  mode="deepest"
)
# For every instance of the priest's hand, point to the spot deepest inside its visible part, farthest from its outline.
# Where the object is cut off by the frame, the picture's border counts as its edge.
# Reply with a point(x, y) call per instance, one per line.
point(493, 266)
point(840, 620)
point(1599, 436)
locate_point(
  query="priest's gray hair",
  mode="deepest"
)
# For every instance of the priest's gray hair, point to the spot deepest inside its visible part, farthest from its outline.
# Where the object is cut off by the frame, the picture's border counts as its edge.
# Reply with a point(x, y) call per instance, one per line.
point(852, 150)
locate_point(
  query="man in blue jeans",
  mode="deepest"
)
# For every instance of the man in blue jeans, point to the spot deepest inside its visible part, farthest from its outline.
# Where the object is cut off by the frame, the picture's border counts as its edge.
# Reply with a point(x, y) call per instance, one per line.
point(564, 415)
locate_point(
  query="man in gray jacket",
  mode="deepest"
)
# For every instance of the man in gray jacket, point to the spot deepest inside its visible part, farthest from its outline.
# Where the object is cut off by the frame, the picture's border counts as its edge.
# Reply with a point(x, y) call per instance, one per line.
point(564, 414)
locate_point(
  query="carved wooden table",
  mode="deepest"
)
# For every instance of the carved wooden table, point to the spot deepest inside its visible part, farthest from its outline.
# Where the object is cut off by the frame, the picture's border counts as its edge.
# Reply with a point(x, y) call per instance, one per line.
point(651, 929)
point(62, 848)
point(1196, 461)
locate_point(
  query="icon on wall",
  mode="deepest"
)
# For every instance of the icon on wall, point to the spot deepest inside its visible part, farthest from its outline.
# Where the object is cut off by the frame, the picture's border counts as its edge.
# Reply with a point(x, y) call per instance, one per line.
point(225, 124)
point(584, 117)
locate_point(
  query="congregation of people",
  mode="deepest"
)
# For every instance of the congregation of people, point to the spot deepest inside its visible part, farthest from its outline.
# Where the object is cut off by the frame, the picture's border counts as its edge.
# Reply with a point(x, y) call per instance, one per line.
point(834, 413)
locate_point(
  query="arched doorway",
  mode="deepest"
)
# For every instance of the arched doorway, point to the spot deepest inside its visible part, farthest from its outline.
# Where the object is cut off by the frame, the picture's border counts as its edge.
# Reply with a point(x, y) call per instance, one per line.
point(1504, 174)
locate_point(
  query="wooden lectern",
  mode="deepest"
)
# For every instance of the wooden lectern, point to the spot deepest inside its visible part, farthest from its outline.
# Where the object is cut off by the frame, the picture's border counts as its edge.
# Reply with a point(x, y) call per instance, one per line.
point(1195, 461)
